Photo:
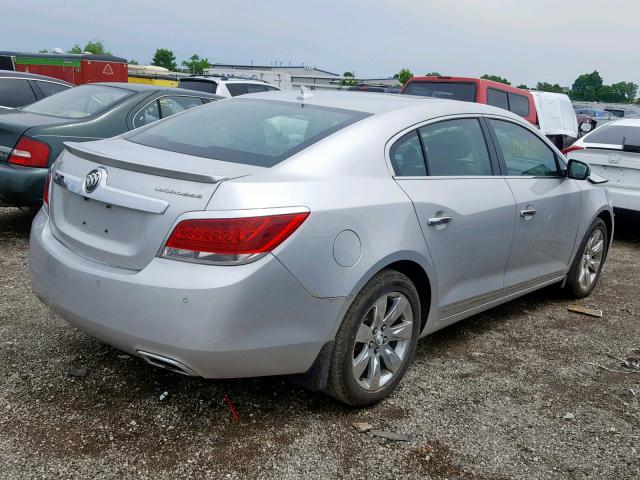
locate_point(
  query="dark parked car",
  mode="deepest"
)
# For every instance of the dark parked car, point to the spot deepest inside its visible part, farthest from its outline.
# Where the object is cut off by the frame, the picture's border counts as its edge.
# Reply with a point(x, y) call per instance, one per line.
point(18, 89)
point(32, 137)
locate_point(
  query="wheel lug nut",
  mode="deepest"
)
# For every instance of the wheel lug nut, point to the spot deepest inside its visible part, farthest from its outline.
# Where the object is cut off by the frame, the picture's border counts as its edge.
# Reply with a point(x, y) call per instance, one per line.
point(370, 344)
point(384, 327)
point(375, 330)
point(377, 350)
point(385, 339)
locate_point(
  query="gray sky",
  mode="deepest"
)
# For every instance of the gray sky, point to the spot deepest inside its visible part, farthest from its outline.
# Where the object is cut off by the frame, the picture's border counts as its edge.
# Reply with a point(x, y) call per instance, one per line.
point(524, 41)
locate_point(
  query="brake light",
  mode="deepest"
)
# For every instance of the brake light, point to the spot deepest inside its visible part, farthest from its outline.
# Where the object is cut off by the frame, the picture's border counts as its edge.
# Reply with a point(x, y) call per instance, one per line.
point(30, 153)
point(45, 194)
point(230, 240)
point(572, 148)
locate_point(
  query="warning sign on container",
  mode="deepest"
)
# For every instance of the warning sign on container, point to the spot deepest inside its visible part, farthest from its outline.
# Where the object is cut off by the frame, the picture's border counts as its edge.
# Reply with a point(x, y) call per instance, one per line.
point(107, 70)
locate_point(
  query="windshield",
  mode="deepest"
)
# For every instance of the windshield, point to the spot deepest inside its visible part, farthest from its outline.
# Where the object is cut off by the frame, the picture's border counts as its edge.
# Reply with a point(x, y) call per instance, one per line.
point(248, 131)
point(449, 90)
point(78, 102)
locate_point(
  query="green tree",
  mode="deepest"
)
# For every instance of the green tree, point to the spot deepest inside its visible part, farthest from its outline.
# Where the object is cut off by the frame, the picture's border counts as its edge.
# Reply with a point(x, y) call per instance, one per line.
point(548, 87)
point(133, 62)
point(495, 78)
point(432, 74)
point(165, 58)
point(348, 80)
point(44, 50)
point(587, 87)
point(523, 87)
point(195, 64)
point(403, 75)
point(625, 91)
point(96, 47)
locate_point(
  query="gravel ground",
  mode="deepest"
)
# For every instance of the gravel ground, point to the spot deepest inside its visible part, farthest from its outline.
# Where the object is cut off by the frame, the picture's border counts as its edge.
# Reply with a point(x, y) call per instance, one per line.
point(510, 393)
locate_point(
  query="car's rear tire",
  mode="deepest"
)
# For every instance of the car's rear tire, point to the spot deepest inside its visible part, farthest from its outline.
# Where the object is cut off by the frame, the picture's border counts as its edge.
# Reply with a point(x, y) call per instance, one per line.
point(587, 265)
point(376, 340)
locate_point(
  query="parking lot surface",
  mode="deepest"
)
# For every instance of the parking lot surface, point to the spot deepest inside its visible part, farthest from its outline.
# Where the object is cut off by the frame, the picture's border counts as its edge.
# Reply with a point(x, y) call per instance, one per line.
point(526, 390)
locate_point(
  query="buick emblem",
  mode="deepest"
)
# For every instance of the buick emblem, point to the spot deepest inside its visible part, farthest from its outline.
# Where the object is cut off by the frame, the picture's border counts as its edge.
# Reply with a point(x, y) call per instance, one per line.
point(93, 179)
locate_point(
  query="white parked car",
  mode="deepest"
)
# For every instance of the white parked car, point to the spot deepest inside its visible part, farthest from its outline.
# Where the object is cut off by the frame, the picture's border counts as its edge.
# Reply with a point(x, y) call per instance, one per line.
point(613, 151)
point(225, 87)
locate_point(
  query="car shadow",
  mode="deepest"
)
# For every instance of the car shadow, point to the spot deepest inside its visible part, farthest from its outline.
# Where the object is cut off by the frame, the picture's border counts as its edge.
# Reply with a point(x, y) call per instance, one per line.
point(627, 227)
point(15, 223)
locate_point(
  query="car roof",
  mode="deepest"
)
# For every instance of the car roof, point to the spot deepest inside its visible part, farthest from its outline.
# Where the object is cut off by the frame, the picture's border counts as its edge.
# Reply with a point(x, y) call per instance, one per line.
point(32, 76)
point(377, 103)
point(624, 122)
point(223, 79)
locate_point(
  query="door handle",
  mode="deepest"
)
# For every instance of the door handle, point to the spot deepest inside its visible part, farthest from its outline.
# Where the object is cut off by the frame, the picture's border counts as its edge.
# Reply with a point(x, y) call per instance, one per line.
point(434, 221)
point(528, 212)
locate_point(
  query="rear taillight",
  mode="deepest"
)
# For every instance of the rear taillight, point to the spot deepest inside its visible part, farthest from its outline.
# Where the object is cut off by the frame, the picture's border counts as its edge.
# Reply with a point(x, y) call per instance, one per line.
point(229, 241)
point(45, 194)
point(572, 148)
point(30, 153)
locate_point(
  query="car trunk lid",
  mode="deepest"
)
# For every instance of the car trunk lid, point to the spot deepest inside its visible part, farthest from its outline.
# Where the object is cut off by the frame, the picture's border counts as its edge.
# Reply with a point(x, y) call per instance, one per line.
point(621, 168)
point(122, 217)
point(14, 123)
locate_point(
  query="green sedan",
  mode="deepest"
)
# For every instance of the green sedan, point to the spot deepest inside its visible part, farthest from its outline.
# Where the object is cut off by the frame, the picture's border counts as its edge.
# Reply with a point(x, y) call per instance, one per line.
point(32, 137)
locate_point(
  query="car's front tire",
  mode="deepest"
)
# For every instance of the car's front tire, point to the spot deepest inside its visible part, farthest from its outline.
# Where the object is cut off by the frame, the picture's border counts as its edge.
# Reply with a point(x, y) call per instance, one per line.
point(376, 340)
point(587, 265)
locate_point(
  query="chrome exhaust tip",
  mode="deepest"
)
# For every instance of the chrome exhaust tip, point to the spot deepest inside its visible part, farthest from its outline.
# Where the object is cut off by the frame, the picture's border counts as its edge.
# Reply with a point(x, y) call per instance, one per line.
point(166, 363)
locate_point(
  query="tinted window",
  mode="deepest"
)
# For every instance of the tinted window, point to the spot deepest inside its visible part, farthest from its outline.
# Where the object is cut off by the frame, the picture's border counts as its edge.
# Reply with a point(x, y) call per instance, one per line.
point(199, 85)
point(15, 93)
point(456, 147)
point(79, 102)
point(450, 90)
point(147, 115)
point(253, 88)
point(614, 135)
point(497, 98)
point(50, 88)
point(253, 132)
point(236, 89)
point(524, 152)
point(406, 156)
point(271, 89)
point(172, 105)
point(519, 104)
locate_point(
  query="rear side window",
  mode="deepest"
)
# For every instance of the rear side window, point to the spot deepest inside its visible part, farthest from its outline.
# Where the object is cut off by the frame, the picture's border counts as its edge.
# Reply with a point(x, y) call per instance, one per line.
point(463, 91)
point(248, 131)
point(524, 153)
point(456, 148)
point(199, 86)
point(50, 88)
point(519, 104)
point(614, 135)
point(149, 114)
point(172, 105)
point(253, 88)
point(236, 89)
point(15, 93)
point(406, 156)
point(79, 102)
point(497, 98)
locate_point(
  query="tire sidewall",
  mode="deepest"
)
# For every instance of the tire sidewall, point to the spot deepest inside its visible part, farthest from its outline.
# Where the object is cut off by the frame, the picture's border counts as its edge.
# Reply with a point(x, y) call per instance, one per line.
point(578, 291)
point(356, 313)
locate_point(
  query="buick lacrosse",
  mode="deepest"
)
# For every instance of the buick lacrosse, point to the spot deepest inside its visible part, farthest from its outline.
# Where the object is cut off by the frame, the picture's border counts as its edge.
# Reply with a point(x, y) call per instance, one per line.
point(316, 235)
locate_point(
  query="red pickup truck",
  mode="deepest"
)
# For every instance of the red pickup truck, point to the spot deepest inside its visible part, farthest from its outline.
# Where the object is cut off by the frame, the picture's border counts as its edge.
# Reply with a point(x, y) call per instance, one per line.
point(475, 90)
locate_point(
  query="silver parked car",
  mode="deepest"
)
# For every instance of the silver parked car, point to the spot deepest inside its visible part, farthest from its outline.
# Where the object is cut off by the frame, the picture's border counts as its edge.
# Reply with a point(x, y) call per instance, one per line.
point(316, 235)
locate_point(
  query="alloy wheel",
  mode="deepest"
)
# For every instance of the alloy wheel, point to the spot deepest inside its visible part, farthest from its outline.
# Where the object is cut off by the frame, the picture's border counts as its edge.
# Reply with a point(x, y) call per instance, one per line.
point(591, 259)
point(383, 341)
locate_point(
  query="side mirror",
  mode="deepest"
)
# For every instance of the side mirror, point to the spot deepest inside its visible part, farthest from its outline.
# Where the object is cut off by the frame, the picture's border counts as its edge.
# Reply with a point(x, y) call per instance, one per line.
point(578, 170)
point(585, 127)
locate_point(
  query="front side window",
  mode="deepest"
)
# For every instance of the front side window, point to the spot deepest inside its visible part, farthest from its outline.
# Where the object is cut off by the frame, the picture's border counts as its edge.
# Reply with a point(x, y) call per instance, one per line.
point(406, 156)
point(456, 148)
point(519, 104)
point(524, 153)
point(79, 102)
point(15, 92)
point(247, 131)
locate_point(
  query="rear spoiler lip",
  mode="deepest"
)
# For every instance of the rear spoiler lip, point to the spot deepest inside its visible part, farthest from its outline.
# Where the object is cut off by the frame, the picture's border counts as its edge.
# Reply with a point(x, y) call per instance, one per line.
point(87, 154)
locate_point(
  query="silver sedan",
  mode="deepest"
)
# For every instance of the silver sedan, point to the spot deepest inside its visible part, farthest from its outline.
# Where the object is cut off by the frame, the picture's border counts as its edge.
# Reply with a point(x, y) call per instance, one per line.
point(317, 235)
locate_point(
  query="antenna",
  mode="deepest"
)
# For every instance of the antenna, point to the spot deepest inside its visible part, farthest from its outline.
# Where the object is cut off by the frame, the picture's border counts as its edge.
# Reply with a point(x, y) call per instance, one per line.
point(304, 94)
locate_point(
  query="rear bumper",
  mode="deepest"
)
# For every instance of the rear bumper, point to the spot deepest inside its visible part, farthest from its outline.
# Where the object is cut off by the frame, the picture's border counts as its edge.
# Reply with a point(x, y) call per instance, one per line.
point(624, 198)
point(21, 186)
point(219, 322)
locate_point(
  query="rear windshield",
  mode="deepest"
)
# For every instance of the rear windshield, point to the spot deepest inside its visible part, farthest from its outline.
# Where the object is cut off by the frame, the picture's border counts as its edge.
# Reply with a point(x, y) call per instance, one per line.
point(79, 102)
point(450, 90)
point(614, 135)
point(248, 131)
point(199, 86)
